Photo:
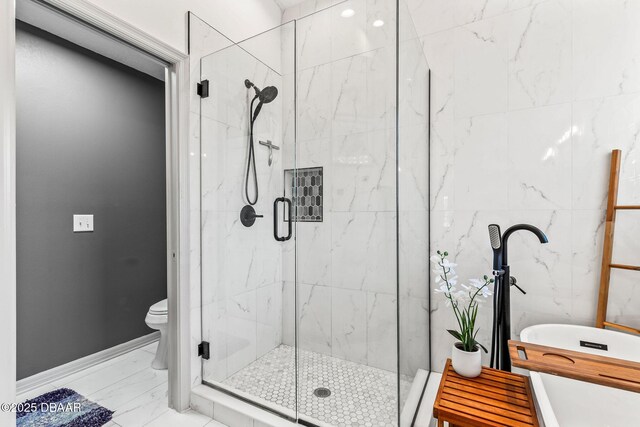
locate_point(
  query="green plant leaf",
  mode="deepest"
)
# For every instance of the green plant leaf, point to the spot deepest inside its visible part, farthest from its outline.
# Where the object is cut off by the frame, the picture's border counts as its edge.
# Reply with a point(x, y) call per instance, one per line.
point(482, 347)
point(455, 334)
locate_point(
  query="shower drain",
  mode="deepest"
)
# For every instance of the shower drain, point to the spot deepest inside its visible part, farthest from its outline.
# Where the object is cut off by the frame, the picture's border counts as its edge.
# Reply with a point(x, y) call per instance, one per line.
point(322, 392)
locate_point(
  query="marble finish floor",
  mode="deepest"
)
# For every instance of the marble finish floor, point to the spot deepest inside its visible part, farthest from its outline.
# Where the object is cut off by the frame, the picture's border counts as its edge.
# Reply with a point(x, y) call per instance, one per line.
point(129, 386)
point(360, 395)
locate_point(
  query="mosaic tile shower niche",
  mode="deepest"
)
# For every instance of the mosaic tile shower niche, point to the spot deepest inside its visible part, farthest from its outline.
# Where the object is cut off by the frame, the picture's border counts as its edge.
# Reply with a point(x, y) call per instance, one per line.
point(306, 192)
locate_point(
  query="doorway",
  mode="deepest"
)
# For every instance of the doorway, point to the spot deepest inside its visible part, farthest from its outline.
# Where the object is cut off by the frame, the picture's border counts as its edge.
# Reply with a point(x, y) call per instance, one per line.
point(175, 101)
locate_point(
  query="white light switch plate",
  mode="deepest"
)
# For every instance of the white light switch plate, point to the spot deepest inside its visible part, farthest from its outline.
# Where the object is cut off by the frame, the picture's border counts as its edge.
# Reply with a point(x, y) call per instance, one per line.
point(82, 223)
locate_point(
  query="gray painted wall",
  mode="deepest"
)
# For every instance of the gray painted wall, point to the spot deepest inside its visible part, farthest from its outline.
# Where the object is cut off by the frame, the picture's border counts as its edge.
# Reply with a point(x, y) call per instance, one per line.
point(90, 140)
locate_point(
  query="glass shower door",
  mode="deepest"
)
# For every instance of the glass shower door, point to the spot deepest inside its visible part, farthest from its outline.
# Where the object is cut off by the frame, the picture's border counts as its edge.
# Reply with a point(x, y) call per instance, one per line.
point(315, 293)
point(247, 144)
point(347, 258)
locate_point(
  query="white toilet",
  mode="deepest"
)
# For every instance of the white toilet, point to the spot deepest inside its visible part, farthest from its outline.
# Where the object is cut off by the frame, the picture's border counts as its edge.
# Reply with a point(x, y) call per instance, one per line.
point(157, 318)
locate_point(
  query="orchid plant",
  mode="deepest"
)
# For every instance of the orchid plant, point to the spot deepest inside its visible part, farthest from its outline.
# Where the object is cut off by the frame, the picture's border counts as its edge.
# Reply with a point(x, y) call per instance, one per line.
point(464, 300)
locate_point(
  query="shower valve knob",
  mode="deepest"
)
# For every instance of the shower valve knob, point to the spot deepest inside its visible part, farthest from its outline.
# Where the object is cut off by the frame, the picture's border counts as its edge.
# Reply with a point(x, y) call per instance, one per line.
point(514, 282)
point(248, 216)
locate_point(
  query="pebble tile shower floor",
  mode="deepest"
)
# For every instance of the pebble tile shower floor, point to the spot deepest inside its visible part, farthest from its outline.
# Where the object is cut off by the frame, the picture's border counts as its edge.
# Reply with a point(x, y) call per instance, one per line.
point(360, 395)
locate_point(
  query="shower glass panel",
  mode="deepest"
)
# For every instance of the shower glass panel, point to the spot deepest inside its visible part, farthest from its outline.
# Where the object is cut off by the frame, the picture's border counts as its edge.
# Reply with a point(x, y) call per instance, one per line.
point(413, 213)
point(242, 280)
point(326, 324)
point(347, 264)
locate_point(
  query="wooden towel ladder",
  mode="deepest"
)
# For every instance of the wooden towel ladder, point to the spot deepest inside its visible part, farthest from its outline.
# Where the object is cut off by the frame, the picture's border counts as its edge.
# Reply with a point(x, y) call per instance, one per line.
point(607, 265)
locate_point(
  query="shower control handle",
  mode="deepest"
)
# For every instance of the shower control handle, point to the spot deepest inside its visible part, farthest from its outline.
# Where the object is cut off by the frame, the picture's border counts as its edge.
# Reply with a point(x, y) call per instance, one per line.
point(514, 282)
point(248, 216)
point(275, 219)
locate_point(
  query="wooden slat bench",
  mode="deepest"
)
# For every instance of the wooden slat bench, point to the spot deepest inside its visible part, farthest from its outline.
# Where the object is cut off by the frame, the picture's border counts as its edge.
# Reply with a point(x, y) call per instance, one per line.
point(495, 398)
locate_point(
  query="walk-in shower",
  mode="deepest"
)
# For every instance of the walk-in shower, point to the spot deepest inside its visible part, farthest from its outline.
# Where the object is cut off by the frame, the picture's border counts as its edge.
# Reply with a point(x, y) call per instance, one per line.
point(331, 326)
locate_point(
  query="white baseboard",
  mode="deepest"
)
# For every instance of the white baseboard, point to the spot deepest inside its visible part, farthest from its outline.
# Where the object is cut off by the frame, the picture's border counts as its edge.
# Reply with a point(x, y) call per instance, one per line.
point(53, 374)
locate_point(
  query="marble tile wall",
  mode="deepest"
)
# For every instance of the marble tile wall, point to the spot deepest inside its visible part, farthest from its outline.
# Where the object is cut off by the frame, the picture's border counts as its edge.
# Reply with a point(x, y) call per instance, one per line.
point(346, 265)
point(528, 99)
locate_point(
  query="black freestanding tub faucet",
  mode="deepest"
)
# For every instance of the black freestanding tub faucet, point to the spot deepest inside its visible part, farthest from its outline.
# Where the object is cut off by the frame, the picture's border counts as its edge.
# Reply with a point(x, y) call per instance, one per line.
point(501, 333)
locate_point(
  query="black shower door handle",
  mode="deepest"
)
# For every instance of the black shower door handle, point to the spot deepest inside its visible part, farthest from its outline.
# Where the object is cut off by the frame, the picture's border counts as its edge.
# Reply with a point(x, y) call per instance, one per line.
point(275, 219)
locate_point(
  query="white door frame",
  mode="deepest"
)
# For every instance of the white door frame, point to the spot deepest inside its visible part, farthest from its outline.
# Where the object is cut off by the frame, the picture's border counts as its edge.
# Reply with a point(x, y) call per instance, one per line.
point(177, 185)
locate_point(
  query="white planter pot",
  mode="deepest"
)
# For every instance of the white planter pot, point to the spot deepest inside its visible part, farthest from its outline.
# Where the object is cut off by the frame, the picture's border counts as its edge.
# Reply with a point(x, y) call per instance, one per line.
point(466, 363)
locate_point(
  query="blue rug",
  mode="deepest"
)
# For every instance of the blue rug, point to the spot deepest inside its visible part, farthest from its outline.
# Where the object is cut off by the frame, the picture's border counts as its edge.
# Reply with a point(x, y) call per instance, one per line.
point(61, 408)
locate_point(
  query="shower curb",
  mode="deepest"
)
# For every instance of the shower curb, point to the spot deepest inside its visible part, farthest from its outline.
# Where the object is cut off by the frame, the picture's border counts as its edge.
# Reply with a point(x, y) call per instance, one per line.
point(231, 411)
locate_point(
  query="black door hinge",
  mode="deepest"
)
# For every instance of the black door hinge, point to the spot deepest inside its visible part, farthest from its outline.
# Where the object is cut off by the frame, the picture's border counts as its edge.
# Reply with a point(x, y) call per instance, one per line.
point(203, 89)
point(203, 350)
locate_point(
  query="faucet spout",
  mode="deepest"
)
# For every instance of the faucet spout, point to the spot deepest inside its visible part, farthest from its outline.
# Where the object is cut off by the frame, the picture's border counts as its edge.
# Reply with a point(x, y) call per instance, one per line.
point(518, 227)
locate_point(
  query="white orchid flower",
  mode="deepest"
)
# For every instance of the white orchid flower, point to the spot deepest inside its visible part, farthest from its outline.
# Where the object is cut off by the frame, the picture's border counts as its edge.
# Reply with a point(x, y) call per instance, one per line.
point(442, 288)
point(448, 264)
point(463, 299)
point(477, 283)
point(485, 292)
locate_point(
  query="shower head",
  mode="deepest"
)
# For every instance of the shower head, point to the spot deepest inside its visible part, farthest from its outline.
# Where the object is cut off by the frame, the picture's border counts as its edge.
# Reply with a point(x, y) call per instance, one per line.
point(496, 245)
point(268, 94)
point(265, 95)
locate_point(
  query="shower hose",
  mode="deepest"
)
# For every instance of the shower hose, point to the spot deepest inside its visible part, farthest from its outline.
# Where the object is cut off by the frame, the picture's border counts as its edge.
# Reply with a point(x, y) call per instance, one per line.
point(251, 161)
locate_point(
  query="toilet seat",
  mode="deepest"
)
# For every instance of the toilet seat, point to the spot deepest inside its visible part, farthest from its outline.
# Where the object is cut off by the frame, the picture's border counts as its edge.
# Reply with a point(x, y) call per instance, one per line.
point(159, 308)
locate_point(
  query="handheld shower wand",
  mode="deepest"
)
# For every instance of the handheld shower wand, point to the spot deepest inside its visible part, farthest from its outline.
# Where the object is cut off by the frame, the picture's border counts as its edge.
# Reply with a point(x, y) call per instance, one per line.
point(496, 245)
point(495, 238)
point(502, 294)
point(264, 96)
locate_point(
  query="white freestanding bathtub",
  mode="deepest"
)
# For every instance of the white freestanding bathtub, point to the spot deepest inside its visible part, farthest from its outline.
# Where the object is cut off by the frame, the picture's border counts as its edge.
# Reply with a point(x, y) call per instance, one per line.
point(564, 402)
